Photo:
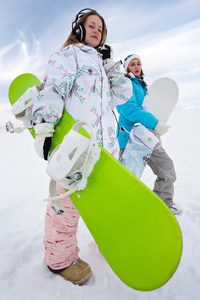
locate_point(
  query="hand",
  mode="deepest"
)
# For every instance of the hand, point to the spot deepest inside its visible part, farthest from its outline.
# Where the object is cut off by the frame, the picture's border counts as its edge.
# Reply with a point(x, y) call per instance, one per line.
point(106, 52)
point(107, 56)
point(43, 139)
point(161, 128)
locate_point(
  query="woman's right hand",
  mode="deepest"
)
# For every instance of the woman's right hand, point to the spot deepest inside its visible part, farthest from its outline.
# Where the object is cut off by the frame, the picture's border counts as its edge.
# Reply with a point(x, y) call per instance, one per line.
point(43, 139)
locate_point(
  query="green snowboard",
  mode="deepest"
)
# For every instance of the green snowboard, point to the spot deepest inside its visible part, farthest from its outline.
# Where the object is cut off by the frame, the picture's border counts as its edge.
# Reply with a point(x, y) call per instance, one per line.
point(136, 232)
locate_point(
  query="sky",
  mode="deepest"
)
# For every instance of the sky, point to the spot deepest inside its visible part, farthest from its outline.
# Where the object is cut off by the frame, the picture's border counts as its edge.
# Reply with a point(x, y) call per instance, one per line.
point(165, 34)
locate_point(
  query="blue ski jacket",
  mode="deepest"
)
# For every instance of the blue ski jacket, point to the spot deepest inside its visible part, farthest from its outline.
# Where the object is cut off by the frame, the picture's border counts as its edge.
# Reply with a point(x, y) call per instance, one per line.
point(131, 112)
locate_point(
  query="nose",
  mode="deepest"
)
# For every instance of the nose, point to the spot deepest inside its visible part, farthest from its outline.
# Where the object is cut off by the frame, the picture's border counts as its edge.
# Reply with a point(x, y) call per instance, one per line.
point(96, 30)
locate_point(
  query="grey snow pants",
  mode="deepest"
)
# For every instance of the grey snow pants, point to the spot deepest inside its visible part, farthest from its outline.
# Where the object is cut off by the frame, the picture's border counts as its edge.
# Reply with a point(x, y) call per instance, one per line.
point(163, 167)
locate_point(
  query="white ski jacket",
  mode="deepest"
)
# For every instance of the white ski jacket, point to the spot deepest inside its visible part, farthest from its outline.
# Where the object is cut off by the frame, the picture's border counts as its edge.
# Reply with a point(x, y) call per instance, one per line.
point(75, 80)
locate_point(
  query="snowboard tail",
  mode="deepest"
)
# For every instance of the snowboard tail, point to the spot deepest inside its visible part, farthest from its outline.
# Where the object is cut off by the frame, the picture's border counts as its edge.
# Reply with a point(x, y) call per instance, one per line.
point(136, 232)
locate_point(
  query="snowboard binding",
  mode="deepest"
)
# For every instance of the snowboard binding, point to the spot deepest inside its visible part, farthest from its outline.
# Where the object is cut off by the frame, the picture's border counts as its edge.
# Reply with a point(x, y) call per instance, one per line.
point(71, 163)
point(22, 109)
point(142, 141)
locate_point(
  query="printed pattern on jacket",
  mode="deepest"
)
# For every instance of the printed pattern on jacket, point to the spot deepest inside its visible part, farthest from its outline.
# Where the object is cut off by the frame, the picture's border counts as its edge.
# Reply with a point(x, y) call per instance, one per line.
point(75, 80)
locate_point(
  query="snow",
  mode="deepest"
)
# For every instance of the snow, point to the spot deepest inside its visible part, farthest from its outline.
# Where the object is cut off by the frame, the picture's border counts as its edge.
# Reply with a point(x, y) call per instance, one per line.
point(24, 184)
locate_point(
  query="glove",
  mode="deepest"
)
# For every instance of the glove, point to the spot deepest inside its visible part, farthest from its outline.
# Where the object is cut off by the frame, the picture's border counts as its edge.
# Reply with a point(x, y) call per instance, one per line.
point(106, 52)
point(161, 128)
point(107, 56)
point(43, 139)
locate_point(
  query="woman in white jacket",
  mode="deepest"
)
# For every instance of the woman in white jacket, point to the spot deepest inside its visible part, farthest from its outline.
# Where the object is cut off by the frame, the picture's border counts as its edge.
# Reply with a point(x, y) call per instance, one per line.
point(76, 81)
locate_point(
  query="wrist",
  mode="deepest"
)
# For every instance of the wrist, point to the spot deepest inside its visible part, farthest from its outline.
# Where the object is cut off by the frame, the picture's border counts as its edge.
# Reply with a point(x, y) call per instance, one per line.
point(108, 63)
point(44, 129)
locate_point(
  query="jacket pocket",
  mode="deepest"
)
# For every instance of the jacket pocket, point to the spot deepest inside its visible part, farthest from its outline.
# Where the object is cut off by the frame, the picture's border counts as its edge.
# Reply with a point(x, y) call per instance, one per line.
point(89, 79)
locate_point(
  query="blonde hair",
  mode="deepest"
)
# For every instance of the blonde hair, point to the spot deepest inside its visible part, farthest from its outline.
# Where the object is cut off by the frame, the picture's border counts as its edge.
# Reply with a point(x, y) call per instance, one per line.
point(71, 40)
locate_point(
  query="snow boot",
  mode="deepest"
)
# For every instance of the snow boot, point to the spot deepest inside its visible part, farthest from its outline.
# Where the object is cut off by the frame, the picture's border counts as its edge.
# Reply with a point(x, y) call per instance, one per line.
point(78, 272)
point(175, 209)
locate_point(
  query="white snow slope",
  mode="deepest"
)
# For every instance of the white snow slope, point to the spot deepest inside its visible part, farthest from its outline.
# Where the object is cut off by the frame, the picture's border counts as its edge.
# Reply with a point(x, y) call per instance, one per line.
point(24, 184)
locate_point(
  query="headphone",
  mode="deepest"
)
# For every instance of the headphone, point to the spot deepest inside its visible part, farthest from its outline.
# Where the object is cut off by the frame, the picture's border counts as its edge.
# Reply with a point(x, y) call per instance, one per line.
point(78, 30)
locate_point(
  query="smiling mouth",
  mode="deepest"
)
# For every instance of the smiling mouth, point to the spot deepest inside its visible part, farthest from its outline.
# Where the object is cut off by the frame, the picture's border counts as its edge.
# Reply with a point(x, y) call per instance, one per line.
point(95, 37)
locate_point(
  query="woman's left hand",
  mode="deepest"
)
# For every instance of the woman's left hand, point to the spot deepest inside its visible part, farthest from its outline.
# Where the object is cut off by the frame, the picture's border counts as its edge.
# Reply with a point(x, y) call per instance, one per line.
point(106, 52)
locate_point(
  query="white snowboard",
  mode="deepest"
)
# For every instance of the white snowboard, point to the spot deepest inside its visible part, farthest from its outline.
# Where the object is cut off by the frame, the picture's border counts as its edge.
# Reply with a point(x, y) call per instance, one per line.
point(160, 101)
point(161, 98)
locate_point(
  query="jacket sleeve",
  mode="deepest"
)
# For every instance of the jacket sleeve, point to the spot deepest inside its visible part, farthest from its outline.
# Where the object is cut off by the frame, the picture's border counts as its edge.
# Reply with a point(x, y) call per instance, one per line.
point(58, 80)
point(133, 113)
point(121, 87)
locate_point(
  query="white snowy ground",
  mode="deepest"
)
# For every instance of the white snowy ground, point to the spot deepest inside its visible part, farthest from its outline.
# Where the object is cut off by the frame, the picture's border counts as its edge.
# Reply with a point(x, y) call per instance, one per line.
point(24, 184)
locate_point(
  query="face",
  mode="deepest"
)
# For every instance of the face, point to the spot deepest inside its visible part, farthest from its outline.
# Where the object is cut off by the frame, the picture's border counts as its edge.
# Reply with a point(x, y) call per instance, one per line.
point(93, 27)
point(135, 67)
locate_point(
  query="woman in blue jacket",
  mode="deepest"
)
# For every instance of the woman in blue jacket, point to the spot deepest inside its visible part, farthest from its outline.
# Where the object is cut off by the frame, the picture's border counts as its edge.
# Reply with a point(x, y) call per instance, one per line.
point(130, 113)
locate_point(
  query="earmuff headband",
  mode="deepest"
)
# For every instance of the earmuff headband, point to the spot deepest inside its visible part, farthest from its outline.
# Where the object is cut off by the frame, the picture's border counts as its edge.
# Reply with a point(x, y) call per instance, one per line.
point(78, 30)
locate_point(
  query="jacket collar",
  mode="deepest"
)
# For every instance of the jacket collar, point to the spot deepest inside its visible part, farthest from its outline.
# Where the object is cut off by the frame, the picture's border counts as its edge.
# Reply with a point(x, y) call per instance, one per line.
point(86, 48)
point(131, 74)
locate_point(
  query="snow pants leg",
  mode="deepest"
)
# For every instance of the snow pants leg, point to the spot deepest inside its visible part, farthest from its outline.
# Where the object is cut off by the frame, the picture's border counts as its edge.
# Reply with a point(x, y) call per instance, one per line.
point(60, 240)
point(163, 167)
